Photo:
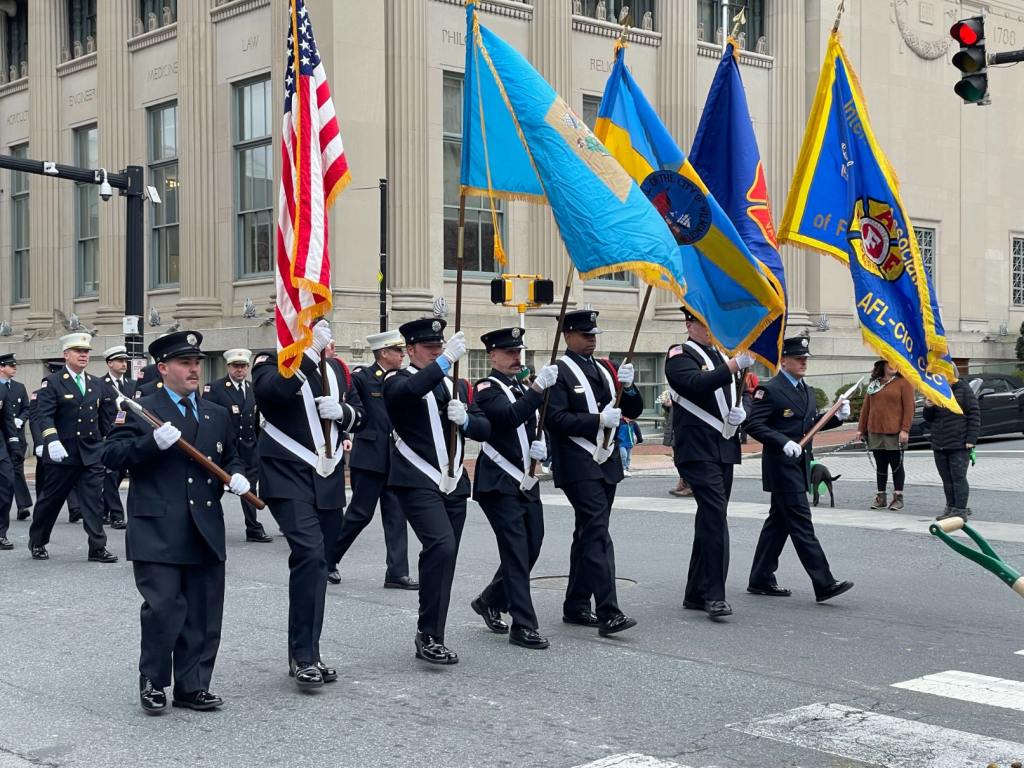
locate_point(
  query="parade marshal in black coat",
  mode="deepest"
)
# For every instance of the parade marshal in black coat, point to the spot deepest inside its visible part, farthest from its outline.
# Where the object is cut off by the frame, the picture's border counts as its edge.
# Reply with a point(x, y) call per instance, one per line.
point(304, 490)
point(422, 409)
point(580, 412)
point(507, 494)
point(784, 411)
point(18, 402)
point(121, 385)
point(175, 536)
point(706, 445)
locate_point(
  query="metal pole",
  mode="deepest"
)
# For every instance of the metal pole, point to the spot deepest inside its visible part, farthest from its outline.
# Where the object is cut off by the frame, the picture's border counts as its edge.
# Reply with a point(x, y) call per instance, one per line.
point(134, 264)
point(383, 287)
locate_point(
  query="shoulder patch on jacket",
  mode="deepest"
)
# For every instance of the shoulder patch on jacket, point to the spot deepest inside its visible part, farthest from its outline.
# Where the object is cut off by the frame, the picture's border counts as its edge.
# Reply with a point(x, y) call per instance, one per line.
point(206, 389)
point(482, 385)
point(759, 393)
point(676, 350)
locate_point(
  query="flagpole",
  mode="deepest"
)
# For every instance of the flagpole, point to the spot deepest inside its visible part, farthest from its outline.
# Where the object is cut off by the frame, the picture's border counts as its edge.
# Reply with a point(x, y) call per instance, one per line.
point(608, 433)
point(839, 15)
point(325, 386)
point(459, 261)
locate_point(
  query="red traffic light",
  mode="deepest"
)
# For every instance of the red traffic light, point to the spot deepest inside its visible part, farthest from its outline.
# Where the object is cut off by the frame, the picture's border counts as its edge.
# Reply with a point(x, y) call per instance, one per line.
point(968, 31)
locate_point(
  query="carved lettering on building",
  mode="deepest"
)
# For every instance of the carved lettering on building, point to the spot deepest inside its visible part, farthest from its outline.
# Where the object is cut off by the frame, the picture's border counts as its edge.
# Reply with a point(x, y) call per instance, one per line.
point(82, 97)
point(601, 65)
point(250, 43)
point(159, 73)
point(453, 37)
point(17, 117)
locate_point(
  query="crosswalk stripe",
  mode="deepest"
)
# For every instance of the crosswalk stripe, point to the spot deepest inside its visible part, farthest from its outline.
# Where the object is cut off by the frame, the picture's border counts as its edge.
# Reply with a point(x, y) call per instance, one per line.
point(967, 686)
point(869, 737)
point(631, 760)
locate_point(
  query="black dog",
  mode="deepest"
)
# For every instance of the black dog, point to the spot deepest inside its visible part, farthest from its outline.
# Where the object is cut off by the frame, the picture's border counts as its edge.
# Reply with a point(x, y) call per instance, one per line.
point(819, 475)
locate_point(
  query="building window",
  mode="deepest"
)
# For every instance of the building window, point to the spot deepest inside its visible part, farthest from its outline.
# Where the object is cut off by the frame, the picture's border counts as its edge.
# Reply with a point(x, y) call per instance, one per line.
point(649, 379)
point(478, 366)
point(87, 216)
point(1017, 256)
point(478, 244)
point(81, 28)
point(153, 14)
point(640, 13)
point(709, 22)
point(254, 178)
point(15, 63)
point(19, 231)
point(163, 174)
point(926, 245)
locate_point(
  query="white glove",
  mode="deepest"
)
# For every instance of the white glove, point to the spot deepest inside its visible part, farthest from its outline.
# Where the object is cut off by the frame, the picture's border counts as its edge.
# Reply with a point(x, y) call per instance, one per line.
point(457, 412)
point(844, 411)
point(56, 451)
point(793, 450)
point(19, 423)
point(546, 377)
point(626, 375)
point(610, 417)
point(166, 435)
point(238, 484)
point(538, 450)
point(329, 408)
point(39, 451)
point(744, 360)
point(455, 347)
point(322, 336)
point(736, 416)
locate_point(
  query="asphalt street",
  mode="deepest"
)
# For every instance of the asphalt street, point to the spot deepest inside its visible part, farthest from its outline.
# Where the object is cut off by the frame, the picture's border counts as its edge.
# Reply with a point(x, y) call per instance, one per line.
point(783, 682)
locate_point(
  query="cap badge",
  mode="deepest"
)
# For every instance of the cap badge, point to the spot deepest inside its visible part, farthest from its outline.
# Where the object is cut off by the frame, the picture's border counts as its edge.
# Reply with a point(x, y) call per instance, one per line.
point(191, 339)
point(593, 317)
point(803, 342)
point(515, 333)
point(435, 326)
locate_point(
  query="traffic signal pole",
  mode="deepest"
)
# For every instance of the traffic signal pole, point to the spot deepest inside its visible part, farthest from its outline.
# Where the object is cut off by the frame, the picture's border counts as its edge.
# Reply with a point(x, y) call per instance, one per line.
point(1006, 57)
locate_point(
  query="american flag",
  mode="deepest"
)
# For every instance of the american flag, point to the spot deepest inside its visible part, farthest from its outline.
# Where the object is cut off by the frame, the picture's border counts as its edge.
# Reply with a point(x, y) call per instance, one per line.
point(313, 173)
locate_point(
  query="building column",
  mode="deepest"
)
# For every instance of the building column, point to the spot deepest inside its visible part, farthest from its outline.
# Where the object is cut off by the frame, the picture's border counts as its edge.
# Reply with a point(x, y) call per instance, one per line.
point(47, 276)
point(115, 142)
point(677, 98)
point(197, 127)
point(789, 113)
point(408, 155)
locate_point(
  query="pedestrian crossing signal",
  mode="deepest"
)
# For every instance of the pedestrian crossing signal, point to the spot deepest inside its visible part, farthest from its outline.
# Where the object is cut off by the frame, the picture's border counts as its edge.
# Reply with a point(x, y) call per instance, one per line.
point(501, 290)
point(971, 60)
point(541, 292)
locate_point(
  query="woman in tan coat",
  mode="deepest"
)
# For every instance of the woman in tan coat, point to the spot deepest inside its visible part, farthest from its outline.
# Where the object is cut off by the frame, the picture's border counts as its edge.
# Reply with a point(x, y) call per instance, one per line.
point(885, 425)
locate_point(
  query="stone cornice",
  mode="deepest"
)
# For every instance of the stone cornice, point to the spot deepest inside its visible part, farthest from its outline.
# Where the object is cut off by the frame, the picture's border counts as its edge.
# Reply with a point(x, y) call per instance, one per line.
point(234, 8)
point(608, 29)
point(713, 51)
point(511, 8)
point(158, 35)
point(88, 61)
point(15, 86)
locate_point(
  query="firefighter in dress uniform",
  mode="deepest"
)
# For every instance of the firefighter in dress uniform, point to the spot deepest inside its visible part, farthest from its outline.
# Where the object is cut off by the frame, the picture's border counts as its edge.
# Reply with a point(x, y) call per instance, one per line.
point(19, 405)
point(118, 360)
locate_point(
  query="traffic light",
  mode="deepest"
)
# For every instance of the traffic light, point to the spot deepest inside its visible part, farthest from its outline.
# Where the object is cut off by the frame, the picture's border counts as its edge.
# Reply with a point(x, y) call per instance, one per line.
point(970, 60)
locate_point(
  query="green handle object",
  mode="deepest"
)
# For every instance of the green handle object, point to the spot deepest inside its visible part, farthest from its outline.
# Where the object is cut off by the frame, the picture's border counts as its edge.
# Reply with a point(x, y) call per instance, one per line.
point(986, 558)
point(974, 457)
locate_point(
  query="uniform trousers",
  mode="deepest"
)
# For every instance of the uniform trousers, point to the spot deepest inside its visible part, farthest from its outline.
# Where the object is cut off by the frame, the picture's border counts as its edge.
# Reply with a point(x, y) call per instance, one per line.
point(306, 528)
point(437, 520)
point(58, 482)
point(182, 611)
point(711, 483)
point(789, 516)
point(518, 524)
point(592, 555)
point(22, 496)
point(367, 489)
point(112, 506)
point(6, 494)
point(253, 527)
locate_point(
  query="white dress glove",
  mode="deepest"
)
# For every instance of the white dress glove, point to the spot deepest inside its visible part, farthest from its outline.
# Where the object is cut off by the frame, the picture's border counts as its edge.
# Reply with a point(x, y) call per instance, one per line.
point(457, 412)
point(610, 417)
point(538, 451)
point(166, 435)
point(322, 336)
point(626, 375)
point(39, 451)
point(56, 451)
point(546, 377)
point(744, 360)
point(329, 408)
point(736, 416)
point(455, 347)
point(844, 411)
point(238, 484)
point(793, 450)
point(19, 423)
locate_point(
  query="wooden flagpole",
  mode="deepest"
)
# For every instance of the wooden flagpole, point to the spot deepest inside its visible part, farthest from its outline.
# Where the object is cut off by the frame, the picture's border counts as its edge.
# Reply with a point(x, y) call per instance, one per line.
point(609, 434)
point(325, 390)
point(459, 263)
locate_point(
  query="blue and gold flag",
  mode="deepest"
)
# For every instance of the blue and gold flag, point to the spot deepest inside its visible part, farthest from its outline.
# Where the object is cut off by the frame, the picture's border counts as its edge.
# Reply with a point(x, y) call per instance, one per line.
point(522, 141)
point(845, 201)
point(735, 295)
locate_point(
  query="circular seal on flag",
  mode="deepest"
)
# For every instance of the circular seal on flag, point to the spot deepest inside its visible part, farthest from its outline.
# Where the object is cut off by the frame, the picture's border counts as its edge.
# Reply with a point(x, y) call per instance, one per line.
point(515, 333)
point(435, 326)
point(681, 203)
point(191, 339)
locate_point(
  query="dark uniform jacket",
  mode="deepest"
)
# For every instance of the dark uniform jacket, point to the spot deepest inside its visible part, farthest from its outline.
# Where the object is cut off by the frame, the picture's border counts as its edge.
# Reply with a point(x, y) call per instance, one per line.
point(79, 421)
point(371, 448)
point(18, 403)
point(242, 410)
point(782, 413)
point(689, 377)
point(127, 385)
point(12, 442)
point(504, 417)
point(173, 503)
point(568, 417)
point(283, 475)
point(404, 391)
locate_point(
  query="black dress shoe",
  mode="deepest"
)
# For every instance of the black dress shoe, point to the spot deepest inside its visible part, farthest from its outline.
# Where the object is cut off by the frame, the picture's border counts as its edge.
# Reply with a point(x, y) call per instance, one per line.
point(24, 514)
point(615, 624)
point(333, 576)
point(834, 590)
point(693, 605)
point(329, 674)
point(491, 617)
point(119, 525)
point(153, 700)
point(74, 516)
point(102, 556)
point(771, 590)
point(306, 674)
point(201, 701)
point(107, 520)
point(717, 608)
point(5, 543)
point(525, 637)
point(583, 619)
point(39, 553)
point(430, 649)
point(260, 537)
point(402, 582)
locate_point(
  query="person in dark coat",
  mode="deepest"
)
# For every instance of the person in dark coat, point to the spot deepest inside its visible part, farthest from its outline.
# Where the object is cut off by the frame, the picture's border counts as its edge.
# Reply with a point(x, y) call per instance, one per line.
point(121, 385)
point(175, 538)
point(432, 488)
point(707, 414)
point(236, 394)
point(783, 412)
point(148, 382)
point(305, 489)
point(10, 446)
point(18, 402)
point(953, 437)
point(581, 420)
point(508, 495)
point(369, 463)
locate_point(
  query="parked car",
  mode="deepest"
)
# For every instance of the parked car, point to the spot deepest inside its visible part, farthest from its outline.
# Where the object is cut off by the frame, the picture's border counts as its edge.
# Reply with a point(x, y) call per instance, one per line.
point(1001, 399)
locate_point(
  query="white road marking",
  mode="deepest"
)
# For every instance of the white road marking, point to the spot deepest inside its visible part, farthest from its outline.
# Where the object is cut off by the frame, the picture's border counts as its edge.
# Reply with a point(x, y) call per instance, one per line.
point(869, 737)
point(631, 760)
point(967, 686)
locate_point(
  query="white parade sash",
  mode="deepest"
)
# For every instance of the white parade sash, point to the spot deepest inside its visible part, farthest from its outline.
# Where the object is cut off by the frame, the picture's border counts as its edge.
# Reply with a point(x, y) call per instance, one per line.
point(722, 424)
point(442, 478)
point(596, 449)
point(317, 460)
point(526, 482)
